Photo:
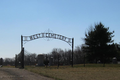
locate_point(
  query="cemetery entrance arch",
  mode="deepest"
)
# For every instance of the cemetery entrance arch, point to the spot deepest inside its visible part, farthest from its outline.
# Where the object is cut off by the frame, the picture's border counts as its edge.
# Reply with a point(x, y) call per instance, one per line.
point(70, 41)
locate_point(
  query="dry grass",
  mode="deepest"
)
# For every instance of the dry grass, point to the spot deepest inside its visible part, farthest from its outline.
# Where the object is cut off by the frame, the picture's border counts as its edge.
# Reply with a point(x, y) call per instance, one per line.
point(8, 66)
point(78, 73)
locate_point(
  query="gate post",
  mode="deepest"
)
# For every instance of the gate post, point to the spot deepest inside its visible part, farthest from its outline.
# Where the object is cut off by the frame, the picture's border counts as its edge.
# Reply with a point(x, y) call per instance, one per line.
point(58, 60)
point(72, 50)
point(16, 61)
point(21, 42)
point(1, 62)
point(22, 62)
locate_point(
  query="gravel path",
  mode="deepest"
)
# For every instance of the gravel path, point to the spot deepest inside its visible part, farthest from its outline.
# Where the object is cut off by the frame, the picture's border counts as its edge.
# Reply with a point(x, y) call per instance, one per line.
point(19, 74)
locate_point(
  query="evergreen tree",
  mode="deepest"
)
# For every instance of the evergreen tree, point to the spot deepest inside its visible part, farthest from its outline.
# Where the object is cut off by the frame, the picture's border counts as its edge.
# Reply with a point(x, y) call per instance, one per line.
point(98, 43)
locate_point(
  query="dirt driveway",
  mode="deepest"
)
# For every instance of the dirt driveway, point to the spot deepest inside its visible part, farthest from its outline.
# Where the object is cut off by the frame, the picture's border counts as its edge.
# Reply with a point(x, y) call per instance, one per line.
point(19, 74)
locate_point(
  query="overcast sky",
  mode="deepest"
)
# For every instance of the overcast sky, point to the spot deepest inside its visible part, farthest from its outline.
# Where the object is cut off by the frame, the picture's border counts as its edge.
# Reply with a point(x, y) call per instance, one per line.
point(70, 18)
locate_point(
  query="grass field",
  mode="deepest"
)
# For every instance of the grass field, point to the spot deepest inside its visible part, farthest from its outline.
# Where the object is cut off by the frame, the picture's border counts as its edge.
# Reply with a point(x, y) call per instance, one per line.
point(78, 72)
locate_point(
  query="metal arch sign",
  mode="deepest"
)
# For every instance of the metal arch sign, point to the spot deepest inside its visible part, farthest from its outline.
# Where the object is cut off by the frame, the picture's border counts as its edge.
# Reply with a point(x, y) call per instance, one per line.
point(70, 41)
point(48, 35)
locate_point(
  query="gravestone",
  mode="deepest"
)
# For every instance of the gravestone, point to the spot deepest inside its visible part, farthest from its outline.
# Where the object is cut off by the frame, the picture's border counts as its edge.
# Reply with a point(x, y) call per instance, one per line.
point(114, 60)
point(40, 60)
point(51, 61)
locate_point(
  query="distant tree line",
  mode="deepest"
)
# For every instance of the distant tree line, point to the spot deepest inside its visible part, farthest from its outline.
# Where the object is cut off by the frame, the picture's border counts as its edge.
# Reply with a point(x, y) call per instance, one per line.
point(64, 57)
